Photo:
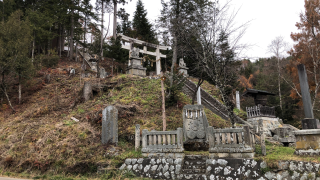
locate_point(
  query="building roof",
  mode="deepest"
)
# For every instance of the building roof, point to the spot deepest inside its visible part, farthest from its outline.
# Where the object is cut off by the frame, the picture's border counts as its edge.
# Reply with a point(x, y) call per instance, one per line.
point(254, 92)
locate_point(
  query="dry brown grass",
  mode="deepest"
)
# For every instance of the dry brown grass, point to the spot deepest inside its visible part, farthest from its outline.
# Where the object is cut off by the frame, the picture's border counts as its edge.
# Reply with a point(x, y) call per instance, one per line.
point(41, 137)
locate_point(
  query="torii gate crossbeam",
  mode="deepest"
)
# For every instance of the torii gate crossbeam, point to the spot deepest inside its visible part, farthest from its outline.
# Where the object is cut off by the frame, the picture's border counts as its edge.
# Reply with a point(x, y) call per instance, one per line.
point(157, 54)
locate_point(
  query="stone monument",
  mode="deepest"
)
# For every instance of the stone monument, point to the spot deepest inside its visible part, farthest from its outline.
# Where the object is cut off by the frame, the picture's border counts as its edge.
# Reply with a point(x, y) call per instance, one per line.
point(307, 140)
point(238, 100)
point(134, 66)
point(308, 122)
point(109, 125)
point(195, 123)
point(182, 67)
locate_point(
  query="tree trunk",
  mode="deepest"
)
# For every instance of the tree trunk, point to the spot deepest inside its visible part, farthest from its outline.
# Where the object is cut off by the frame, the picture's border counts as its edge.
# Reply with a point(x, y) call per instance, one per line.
point(115, 20)
point(68, 55)
point(101, 30)
point(8, 99)
point(76, 52)
point(33, 42)
point(49, 47)
point(85, 30)
point(174, 58)
point(60, 41)
point(71, 33)
point(19, 88)
point(279, 83)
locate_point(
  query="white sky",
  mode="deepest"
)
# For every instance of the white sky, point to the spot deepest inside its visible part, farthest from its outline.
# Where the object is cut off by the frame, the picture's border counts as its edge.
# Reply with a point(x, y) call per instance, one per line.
point(269, 19)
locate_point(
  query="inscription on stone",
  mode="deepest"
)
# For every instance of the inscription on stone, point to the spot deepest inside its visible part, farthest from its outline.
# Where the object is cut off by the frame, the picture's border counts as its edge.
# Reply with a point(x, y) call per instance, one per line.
point(194, 122)
point(109, 125)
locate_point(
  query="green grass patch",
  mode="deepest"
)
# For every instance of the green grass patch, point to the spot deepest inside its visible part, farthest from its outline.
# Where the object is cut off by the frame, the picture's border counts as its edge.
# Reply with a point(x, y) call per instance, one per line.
point(277, 153)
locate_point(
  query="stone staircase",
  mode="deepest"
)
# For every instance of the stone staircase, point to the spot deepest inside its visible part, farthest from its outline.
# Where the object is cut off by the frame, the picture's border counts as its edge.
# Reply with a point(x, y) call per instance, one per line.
point(210, 102)
point(86, 56)
point(194, 168)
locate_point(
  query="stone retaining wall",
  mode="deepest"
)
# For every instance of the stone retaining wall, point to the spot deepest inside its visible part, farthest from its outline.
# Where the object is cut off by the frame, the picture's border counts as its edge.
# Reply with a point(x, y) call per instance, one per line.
point(203, 167)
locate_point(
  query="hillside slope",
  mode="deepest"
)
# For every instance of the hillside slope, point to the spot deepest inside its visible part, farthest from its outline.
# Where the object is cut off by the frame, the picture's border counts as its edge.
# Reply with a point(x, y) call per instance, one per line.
point(41, 136)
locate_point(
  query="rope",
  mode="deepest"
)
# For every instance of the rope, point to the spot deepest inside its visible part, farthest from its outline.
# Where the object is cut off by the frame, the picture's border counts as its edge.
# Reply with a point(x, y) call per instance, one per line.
point(144, 59)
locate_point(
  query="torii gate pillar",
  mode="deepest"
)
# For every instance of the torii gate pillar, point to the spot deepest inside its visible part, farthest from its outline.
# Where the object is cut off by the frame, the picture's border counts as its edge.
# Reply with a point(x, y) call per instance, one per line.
point(158, 61)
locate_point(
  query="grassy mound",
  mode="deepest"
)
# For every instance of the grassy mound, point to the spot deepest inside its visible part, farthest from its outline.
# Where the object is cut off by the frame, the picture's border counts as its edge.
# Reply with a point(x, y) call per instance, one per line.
point(41, 137)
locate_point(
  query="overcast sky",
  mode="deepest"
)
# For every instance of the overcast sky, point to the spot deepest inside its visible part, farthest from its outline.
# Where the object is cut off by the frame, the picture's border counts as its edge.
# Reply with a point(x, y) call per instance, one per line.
point(269, 19)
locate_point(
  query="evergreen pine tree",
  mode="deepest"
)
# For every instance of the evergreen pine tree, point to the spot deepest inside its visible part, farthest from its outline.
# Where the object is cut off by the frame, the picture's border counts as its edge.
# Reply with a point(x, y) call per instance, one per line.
point(141, 25)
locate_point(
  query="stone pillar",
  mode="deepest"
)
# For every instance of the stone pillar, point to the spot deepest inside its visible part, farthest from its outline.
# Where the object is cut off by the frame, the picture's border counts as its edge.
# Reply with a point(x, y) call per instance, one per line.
point(247, 136)
point(306, 99)
point(238, 100)
point(179, 137)
point(210, 136)
point(137, 137)
point(109, 125)
point(199, 96)
point(87, 91)
point(144, 138)
point(262, 138)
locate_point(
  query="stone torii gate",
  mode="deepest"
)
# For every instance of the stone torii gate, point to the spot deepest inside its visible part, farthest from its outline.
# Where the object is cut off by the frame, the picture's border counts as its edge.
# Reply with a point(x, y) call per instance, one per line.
point(157, 54)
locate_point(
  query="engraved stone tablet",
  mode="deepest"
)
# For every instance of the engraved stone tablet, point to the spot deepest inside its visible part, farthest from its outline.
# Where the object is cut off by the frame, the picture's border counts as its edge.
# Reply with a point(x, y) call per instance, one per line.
point(109, 125)
point(194, 122)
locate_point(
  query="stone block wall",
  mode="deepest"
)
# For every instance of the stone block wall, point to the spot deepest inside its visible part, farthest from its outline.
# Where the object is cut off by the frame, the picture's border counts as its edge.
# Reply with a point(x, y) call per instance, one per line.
point(203, 167)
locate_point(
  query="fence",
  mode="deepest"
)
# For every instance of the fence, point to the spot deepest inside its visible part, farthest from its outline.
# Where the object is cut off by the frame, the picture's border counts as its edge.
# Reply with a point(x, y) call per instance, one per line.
point(233, 140)
point(260, 111)
point(162, 141)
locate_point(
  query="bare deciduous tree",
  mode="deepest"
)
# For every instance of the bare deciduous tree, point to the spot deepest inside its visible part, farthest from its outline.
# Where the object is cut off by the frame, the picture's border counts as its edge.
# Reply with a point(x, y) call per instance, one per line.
point(278, 48)
point(212, 38)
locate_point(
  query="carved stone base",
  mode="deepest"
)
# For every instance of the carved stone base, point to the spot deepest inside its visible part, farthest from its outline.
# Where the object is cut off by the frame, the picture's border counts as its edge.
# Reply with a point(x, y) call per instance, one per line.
point(136, 70)
point(310, 124)
point(231, 155)
point(164, 155)
point(307, 142)
point(184, 70)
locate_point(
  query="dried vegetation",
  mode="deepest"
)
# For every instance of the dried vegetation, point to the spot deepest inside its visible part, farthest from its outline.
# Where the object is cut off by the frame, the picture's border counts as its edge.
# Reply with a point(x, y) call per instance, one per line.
point(41, 136)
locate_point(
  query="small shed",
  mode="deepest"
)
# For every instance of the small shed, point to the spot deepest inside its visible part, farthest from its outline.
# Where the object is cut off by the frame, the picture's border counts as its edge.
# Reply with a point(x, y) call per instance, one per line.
point(260, 96)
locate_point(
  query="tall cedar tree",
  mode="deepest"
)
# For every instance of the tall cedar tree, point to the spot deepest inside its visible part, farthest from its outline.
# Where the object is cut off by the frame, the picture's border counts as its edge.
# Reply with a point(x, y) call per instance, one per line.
point(142, 26)
point(15, 38)
point(174, 14)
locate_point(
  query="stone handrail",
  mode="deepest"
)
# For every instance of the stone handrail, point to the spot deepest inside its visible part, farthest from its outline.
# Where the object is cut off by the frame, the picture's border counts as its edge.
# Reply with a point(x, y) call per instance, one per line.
point(86, 56)
point(232, 140)
point(260, 111)
point(162, 141)
point(210, 102)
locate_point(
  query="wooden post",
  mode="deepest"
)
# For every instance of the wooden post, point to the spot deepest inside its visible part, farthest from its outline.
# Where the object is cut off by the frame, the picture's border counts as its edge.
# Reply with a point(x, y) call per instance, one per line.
point(163, 106)
point(137, 137)
point(262, 138)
